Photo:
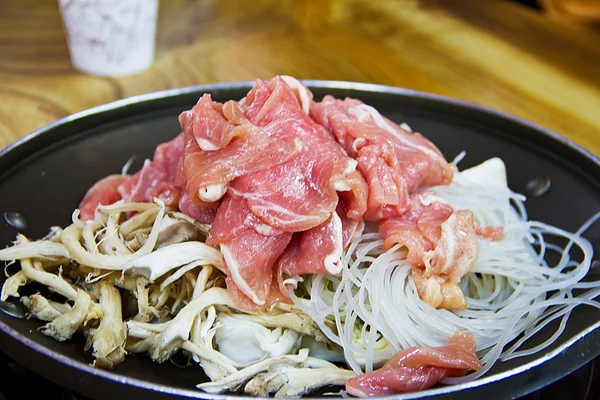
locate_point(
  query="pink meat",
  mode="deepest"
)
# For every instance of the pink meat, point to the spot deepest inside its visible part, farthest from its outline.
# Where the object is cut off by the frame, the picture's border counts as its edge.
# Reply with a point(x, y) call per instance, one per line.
point(294, 196)
point(393, 161)
point(493, 233)
point(388, 193)
point(250, 260)
point(318, 250)
point(442, 243)
point(157, 178)
point(163, 178)
point(199, 210)
point(104, 192)
point(315, 251)
point(418, 368)
point(419, 227)
point(233, 217)
point(274, 296)
point(280, 173)
point(250, 250)
point(349, 226)
point(302, 192)
point(253, 149)
point(442, 246)
point(209, 125)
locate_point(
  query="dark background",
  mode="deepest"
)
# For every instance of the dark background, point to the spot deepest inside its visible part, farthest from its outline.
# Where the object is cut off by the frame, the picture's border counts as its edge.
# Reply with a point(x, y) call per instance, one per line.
point(530, 3)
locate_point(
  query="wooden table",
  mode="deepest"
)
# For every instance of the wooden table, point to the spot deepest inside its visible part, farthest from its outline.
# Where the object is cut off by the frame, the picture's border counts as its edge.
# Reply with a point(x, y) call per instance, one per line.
point(493, 53)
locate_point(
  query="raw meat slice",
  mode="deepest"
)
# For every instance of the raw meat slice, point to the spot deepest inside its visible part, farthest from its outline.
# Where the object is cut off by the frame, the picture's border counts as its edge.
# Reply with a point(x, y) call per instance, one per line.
point(238, 148)
point(233, 217)
point(442, 246)
point(250, 250)
point(301, 193)
point(104, 192)
point(157, 177)
point(395, 162)
point(243, 302)
point(418, 368)
point(200, 211)
point(419, 227)
point(315, 251)
point(289, 190)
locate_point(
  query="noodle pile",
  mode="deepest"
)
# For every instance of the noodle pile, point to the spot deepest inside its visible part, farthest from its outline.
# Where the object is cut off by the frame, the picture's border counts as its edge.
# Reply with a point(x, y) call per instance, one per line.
point(138, 278)
point(373, 309)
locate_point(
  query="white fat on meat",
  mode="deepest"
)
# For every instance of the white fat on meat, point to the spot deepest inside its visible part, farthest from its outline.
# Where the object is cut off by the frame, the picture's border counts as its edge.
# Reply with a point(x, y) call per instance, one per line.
point(429, 198)
point(358, 144)
point(240, 282)
point(406, 127)
point(451, 252)
point(204, 144)
point(458, 248)
point(292, 283)
point(303, 93)
point(265, 229)
point(383, 124)
point(247, 341)
point(343, 185)
point(332, 260)
point(212, 193)
point(453, 257)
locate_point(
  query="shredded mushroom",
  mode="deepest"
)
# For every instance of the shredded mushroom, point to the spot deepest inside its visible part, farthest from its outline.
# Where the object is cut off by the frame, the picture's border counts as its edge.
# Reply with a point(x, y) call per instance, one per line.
point(138, 278)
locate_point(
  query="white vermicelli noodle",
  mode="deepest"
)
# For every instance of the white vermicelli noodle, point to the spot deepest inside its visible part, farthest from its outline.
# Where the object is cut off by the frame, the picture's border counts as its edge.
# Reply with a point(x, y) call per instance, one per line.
point(373, 309)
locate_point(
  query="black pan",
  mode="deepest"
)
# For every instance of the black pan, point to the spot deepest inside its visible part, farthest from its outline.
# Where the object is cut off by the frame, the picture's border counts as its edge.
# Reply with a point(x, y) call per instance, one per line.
point(44, 175)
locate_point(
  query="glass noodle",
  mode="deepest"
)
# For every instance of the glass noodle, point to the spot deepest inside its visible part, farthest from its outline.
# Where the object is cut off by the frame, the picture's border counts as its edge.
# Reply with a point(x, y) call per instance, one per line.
point(514, 290)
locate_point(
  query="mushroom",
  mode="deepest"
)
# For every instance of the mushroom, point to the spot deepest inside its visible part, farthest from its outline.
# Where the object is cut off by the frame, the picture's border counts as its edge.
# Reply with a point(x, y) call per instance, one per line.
point(234, 381)
point(159, 262)
point(288, 380)
point(174, 229)
point(108, 340)
point(44, 309)
point(63, 327)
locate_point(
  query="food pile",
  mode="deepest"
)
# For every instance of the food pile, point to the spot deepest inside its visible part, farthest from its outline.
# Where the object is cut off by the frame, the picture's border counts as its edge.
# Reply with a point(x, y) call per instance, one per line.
point(287, 244)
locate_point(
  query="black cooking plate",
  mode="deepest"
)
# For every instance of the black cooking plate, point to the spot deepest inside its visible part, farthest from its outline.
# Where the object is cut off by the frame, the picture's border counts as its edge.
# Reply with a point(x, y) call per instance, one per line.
point(44, 176)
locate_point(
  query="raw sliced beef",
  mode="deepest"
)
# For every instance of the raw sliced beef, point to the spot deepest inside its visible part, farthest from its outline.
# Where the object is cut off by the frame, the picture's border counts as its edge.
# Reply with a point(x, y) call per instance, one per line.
point(419, 227)
point(250, 259)
point(163, 178)
point(244, 303)
point(442, 243)
point(418, 368)
point(233, 217)
point(199, 210)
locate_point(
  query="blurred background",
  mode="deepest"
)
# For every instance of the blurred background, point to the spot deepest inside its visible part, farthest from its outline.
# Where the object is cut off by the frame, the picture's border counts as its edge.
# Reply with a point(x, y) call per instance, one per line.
point(537, 59)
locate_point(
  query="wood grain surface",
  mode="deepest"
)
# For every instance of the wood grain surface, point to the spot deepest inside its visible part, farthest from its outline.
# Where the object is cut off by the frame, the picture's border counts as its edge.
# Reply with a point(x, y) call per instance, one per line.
point(489, 52)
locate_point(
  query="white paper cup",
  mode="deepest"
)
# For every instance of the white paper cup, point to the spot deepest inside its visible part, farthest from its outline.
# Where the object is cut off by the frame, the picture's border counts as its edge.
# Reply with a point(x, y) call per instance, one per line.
point(110, 37)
